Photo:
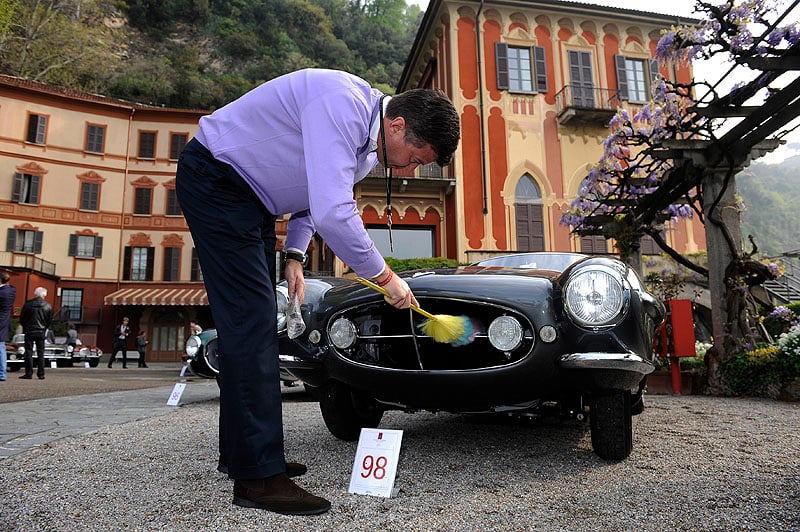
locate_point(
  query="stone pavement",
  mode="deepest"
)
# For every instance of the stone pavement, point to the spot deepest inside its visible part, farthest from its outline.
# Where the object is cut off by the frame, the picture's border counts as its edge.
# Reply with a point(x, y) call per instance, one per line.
point(80, 400)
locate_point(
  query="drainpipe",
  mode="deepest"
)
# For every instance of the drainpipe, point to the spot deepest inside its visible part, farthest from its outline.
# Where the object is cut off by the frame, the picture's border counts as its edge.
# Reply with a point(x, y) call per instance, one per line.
point(480, 103)
point(124, 196)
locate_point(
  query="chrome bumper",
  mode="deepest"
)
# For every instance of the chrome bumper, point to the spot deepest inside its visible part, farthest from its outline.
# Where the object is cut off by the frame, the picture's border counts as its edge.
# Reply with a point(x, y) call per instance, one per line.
point(613, 361)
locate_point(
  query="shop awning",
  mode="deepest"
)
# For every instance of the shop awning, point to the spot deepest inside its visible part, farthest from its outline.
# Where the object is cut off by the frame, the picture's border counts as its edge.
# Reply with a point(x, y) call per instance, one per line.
point(157, 296)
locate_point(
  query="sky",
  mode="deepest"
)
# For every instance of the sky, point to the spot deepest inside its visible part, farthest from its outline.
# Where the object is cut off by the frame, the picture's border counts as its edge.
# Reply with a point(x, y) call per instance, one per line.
point(710, 71)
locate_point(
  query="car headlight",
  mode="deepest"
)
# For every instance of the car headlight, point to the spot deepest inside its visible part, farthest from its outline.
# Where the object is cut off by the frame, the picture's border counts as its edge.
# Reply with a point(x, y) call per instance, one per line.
point(595, 297)
point(193, 344)
point(505, 333)
point(342, 333)
point(282, 303)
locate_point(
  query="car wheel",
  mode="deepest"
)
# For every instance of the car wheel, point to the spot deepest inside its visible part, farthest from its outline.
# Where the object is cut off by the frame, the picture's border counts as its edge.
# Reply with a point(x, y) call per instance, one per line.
point(611, 425)
point(345, 412)
point(312, 391)
point(94, 362)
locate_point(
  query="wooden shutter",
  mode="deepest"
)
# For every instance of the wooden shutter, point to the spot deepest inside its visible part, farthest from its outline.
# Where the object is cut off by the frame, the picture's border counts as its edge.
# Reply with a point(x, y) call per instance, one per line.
point(98, 247)
point(73, 246)
point(540, 69)
point(126, 263)
point(622, 77)
point(151, 252)
point(11, 239)
point(16, 189)
point(530, 226)
point(501, 60)
point(38, 237)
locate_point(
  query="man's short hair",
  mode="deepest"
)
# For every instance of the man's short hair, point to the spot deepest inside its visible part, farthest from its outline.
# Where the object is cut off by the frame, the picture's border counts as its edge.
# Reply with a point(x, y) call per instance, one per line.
point(40, 291)
point(4, 276)
point(430, 118)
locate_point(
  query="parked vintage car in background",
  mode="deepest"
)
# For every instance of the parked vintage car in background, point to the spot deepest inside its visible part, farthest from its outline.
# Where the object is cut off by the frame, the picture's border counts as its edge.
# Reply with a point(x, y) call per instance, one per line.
point(558, 332)
point(58, 352)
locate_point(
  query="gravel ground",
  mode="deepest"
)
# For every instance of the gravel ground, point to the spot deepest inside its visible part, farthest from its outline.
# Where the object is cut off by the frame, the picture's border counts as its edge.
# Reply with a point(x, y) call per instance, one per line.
point(698, 464)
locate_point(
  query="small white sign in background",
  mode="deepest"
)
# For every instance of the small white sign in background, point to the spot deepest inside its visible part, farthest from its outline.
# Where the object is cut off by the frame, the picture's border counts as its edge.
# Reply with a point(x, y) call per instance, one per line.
point(375, 466)
point(175, 396)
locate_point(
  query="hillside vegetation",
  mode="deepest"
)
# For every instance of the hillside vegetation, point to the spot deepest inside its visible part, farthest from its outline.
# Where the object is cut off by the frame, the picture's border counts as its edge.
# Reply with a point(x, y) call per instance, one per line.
point(200, 53)
point(771, 196)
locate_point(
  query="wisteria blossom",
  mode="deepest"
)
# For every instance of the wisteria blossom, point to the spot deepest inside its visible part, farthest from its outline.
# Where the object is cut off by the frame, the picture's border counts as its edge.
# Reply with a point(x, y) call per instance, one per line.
point(613, 199)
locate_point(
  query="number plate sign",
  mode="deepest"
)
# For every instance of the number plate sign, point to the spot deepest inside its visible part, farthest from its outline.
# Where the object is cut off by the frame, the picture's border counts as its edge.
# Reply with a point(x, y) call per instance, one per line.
point(375, 466)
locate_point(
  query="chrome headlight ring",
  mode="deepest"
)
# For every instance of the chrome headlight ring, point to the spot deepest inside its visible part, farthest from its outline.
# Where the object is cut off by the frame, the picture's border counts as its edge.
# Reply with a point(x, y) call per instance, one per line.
point(596, 297)
point(193, 346)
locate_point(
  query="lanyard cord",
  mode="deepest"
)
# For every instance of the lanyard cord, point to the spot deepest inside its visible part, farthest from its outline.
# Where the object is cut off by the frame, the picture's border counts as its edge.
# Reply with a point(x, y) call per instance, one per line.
point(387, 173)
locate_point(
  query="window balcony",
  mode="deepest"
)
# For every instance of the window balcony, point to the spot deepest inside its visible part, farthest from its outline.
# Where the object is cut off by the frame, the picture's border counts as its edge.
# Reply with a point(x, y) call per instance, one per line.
point(578, 105)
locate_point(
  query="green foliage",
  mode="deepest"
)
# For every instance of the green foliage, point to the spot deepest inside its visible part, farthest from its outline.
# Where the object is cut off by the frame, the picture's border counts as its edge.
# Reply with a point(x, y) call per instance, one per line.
point(762, 370)
point(201, 53)
point(401, 265)
point(771, 194)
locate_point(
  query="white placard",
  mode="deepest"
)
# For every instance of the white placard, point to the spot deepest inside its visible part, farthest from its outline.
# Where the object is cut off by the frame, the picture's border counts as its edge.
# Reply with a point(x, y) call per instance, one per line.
point(175, 396)
point(86, 365)
point(375, 466)
point(53, 364)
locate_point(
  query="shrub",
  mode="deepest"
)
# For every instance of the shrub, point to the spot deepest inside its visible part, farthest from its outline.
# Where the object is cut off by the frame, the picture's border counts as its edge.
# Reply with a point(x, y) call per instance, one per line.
point(763, 370)
point(401, 265)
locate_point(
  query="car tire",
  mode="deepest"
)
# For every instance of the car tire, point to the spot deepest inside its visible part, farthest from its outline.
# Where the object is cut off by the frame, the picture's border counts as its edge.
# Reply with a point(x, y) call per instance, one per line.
point(611, 425)
point(312, 391)
point(345, 412)
point(94, 362)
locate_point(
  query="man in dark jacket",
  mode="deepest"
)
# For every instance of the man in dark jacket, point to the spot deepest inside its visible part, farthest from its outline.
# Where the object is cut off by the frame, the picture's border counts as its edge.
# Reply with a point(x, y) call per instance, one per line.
point(7, 295)
point(121, 333)
point(35, 319)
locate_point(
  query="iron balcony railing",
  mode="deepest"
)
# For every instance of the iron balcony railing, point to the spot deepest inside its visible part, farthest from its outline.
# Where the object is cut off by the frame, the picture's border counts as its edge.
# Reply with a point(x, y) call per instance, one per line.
point(31, 262)
point(586, 103)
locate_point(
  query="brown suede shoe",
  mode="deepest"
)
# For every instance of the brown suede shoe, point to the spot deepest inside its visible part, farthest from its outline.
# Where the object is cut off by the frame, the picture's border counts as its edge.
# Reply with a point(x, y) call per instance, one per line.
point(278, 494)
point(293, 469)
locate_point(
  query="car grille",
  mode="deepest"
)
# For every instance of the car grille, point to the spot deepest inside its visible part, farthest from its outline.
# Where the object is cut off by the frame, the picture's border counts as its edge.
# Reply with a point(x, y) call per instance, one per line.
point(391, 338)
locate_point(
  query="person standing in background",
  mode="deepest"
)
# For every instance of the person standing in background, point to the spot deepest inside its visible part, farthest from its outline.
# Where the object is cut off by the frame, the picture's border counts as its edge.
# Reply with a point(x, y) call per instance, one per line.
point(141, 347)
point(121, 333)
point(7, 295)
point(35, 319)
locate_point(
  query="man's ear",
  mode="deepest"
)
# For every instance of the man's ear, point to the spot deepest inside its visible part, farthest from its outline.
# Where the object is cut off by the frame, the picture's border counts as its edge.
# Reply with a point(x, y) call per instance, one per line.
point(398, 125)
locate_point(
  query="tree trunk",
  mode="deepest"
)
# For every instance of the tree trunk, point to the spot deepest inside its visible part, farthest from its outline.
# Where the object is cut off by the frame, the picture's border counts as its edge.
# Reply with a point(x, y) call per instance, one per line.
point(723, 230)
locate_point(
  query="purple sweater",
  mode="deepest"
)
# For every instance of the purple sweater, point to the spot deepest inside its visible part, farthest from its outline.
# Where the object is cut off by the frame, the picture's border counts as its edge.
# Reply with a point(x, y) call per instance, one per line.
point(302, 141)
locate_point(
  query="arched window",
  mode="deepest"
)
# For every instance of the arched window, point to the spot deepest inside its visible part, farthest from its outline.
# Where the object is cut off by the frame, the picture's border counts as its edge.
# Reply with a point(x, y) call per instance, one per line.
point(529, 215)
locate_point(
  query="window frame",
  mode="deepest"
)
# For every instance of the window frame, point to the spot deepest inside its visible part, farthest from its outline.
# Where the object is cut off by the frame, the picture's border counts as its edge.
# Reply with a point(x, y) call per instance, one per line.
point(174, 151)
point(75, 247)
point(623, 83)
point(134, 264)
point(27, 185)
point(24, 240)
point(37, 134)
point(92, 142)
point(89, 203)
point(172, 206)
point(75, 311)
point(537, 68)
point(147, 141)
point(139, 200)
point(172, 264)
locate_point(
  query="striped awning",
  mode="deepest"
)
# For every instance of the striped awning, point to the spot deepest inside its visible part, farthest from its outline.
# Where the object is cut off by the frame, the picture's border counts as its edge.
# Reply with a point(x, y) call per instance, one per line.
point(157, 296)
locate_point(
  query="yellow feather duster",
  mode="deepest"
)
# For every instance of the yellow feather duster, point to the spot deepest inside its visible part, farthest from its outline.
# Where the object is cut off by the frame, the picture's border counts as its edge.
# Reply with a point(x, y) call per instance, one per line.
point(443, 328)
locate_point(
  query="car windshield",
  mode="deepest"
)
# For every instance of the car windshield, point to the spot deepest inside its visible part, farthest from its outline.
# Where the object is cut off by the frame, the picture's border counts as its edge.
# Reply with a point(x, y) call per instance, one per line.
point(542, 261)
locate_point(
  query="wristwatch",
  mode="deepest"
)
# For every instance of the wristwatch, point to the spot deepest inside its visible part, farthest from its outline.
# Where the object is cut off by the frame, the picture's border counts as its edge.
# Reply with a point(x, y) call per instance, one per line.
point(302, 258)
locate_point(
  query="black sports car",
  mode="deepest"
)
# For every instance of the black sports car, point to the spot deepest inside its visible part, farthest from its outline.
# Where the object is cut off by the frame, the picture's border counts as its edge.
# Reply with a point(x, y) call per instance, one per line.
point(554, 331)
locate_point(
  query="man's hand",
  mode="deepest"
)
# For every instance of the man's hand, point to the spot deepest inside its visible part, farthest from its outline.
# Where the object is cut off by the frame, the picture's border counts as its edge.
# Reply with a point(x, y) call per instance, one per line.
point(400, 295)
point(293, 273)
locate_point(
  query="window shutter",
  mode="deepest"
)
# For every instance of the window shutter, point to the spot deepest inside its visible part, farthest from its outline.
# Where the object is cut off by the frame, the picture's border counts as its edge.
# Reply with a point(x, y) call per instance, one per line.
point(654, 71)
point(16, 189)
point(73, 246)
point(11, 239)
point(126, 264)
point(98, 247)
point(32, 128)
point(540, 68)
point(501, 59)
point(150, 263)
point(40, 129)
point(622, 77)
point(38, 236)
point(34, 189)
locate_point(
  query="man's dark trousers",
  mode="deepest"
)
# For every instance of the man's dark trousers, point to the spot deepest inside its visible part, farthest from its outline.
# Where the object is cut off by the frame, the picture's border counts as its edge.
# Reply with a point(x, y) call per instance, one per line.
point(234, 236)
point(38, 341)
